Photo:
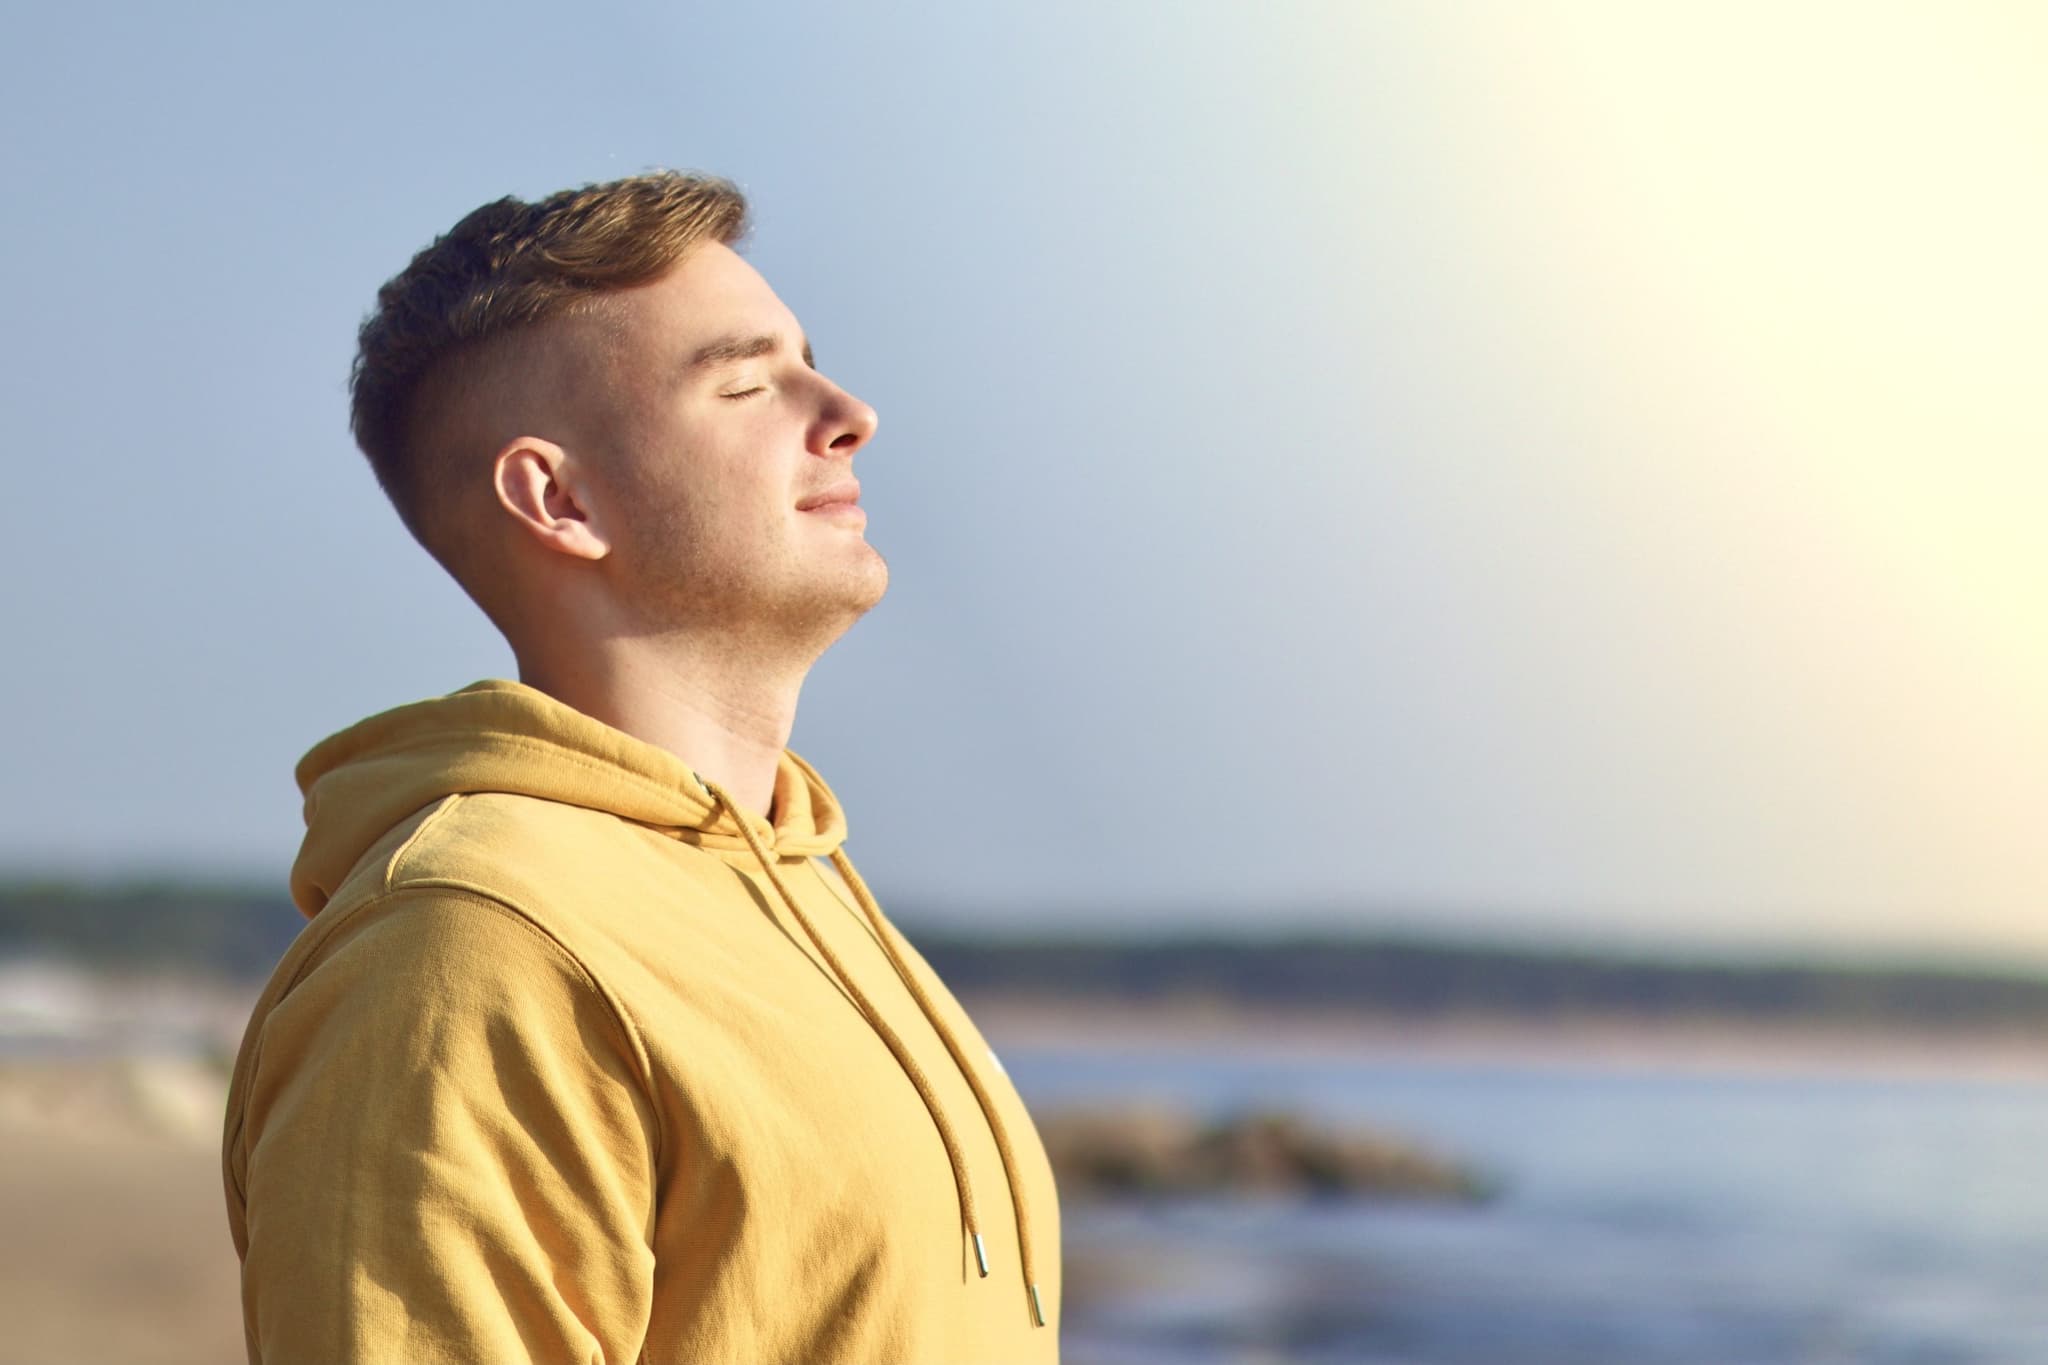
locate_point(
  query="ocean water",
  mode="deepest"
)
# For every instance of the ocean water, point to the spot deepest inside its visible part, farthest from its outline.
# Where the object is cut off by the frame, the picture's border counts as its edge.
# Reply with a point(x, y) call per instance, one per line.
point(1645, 1219)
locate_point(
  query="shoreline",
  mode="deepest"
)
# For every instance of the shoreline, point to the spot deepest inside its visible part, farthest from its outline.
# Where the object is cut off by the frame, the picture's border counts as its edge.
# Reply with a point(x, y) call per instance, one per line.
point(54, 1014)
point(1712, 1045)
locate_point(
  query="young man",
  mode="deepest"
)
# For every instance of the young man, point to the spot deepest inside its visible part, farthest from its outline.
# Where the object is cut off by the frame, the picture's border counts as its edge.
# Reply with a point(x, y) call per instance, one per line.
point(588, 1052)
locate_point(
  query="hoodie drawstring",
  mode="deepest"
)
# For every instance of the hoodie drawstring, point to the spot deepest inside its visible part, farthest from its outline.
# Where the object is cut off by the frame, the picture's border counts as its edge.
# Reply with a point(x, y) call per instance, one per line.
point(903, 1058)
point(981, 1096)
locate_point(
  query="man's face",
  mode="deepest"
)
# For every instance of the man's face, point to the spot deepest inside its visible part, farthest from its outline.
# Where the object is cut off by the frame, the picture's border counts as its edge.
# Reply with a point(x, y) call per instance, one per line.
point(720, 441)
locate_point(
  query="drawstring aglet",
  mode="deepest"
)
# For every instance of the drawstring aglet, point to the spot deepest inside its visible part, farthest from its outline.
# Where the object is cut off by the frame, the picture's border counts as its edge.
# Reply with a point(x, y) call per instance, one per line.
point(1037, 1308)
point(980, 1254)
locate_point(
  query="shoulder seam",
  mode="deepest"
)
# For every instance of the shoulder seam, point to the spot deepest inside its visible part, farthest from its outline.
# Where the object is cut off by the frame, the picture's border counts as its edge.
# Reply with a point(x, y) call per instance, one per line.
point(446, 804)
point(467, 892)
point(629, 1032)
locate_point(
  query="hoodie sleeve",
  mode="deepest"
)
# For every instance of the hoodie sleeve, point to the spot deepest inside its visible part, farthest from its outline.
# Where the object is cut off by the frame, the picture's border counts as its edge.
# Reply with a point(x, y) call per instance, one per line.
point(449, 1150)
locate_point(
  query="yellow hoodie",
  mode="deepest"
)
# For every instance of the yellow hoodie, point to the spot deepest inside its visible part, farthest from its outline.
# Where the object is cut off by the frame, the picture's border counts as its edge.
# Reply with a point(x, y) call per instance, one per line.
point(578, 1061)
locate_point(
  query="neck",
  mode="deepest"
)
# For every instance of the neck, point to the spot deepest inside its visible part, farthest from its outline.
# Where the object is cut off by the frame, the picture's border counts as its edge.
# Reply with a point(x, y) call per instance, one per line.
point(720, 710)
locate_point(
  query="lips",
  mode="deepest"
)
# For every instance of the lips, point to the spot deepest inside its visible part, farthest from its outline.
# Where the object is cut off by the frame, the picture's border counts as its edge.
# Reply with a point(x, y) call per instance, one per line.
point(845, 493)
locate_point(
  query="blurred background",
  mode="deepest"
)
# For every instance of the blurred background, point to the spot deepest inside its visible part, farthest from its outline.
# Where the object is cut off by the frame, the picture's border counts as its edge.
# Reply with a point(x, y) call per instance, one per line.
point(1469, 623)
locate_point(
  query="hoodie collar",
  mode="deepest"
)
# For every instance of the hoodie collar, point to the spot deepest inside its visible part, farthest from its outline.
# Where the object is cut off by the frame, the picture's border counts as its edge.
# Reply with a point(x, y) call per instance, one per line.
point(503, 736)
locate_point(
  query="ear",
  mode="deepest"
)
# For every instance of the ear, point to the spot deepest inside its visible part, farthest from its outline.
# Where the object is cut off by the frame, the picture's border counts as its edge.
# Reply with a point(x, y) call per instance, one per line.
point(536, 482)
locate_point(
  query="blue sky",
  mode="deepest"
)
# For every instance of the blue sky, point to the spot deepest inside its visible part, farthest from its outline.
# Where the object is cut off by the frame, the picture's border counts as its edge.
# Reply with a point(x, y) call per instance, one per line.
point(1529, 472)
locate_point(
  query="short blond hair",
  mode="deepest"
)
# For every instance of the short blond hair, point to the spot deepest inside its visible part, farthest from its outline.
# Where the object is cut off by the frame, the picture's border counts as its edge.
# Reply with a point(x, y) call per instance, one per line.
point(507, 267)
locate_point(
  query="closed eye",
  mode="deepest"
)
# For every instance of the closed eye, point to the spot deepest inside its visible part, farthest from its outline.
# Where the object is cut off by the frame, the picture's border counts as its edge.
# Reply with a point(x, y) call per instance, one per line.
point(746, 393)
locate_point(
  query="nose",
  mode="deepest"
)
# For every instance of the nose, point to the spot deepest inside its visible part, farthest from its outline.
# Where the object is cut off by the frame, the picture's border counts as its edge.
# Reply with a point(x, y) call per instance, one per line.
point(845, 424)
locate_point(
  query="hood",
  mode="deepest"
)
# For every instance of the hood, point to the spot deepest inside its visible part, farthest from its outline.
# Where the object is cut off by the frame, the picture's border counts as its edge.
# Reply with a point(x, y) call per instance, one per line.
point(502, 736)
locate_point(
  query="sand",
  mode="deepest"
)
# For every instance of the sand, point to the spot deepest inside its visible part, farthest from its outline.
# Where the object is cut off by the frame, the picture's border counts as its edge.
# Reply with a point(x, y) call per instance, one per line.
point(114, 1247)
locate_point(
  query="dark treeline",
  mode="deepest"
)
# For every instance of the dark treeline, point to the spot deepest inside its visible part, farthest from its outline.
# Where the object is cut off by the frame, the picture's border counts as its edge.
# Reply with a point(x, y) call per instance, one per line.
point(1415, 978)
point(225, 931)
point(241, 933)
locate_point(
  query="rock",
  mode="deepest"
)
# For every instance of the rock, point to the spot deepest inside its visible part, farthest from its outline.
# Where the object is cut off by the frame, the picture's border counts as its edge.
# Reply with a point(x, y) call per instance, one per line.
point(1153, 1150)
point(1138, 1149)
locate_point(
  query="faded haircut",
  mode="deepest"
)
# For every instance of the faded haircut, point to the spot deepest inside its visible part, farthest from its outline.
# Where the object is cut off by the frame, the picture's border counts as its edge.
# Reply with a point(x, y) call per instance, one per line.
point(505, 268)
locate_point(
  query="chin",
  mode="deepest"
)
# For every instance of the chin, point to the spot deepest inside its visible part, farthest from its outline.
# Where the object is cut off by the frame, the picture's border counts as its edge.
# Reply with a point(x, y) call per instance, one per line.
point(867, 588)
point(836, 604)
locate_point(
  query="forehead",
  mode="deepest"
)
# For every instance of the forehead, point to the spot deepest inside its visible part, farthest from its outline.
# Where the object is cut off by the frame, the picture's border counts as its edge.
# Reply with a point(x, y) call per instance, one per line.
point(711, 293)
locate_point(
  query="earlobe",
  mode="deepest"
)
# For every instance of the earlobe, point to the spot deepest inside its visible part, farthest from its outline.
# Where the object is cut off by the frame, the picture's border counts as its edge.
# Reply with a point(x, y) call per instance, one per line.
point(536, 485)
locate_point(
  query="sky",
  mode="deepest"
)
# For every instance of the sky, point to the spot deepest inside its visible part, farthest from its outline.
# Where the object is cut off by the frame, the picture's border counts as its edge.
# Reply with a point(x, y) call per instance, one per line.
point(1543, 473)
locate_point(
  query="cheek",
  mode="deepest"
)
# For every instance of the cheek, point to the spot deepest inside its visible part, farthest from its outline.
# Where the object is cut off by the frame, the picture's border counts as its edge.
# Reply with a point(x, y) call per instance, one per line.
point(717, 506)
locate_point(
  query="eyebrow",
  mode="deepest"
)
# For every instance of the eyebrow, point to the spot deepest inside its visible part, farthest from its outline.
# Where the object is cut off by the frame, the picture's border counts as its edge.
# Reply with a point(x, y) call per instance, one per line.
point(727, 349)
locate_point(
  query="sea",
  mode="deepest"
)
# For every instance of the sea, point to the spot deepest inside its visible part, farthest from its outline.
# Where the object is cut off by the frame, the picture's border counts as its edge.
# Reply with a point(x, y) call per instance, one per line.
point(1643, 1217)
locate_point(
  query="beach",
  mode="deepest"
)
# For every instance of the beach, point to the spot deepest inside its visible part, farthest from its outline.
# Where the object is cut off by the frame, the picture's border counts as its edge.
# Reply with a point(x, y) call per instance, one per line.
point(1662, 1147)
point(115, 1247)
